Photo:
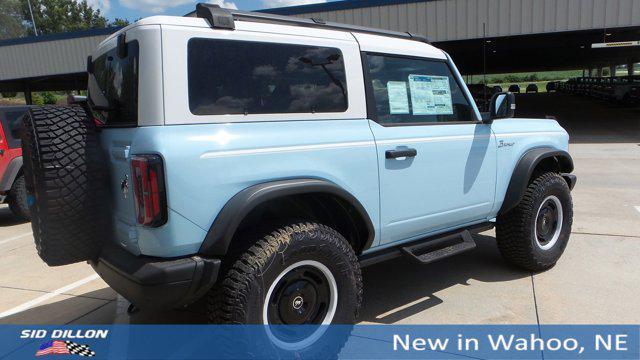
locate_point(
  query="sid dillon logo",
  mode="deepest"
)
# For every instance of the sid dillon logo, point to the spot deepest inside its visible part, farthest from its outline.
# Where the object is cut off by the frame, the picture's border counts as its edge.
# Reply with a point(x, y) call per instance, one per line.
point(59, 347)
point(59, 343)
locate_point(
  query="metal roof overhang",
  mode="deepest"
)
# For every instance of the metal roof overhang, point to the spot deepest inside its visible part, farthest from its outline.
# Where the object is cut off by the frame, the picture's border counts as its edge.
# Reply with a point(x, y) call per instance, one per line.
point(48, 62)
point(543, 52)
point(521, 53)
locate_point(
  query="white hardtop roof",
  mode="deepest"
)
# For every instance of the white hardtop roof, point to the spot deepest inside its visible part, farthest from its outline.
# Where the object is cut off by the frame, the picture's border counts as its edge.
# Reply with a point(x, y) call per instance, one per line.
point(368, 42)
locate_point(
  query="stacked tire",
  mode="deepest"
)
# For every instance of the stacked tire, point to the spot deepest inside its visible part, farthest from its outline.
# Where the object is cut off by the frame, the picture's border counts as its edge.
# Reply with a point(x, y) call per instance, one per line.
point(66, 182)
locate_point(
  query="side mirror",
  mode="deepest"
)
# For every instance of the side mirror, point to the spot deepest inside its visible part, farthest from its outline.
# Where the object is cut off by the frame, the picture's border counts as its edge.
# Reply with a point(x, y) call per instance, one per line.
point(502, 106)
point(121, 46)
point(90, 65)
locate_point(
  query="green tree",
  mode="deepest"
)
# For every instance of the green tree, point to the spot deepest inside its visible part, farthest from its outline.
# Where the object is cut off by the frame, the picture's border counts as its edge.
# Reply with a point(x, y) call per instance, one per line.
point(49, 98)
point(11, 19)
point(37, 99)
point(54, 16)
point(119, 22)
point(512, 78)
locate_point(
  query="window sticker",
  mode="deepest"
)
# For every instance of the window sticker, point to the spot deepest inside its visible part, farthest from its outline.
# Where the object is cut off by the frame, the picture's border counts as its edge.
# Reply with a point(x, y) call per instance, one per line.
point(398, 97)
point(430, 95)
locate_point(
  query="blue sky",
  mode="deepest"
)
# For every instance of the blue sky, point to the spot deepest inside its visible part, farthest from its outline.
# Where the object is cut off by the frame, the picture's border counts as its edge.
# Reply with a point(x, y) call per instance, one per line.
point(134, 9)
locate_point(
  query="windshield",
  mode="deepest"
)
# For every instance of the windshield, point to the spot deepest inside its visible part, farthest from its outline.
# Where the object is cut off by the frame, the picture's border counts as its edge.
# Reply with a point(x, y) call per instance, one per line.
point(113, 87)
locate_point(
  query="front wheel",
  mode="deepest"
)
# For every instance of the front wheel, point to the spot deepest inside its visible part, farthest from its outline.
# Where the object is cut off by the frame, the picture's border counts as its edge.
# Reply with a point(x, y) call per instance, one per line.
point(535, 233)
point(17, 200)
point(300, 274)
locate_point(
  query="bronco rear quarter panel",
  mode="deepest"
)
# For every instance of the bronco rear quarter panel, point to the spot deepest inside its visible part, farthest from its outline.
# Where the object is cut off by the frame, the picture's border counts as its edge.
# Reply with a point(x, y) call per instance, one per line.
point(206, 165)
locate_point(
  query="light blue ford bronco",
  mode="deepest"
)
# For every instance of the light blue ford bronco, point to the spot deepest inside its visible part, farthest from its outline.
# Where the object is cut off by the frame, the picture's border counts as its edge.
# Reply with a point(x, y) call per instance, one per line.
point(261, 161)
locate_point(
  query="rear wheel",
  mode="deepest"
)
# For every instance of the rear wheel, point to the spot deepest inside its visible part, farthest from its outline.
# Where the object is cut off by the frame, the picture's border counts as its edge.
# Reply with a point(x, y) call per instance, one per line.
point(303, 293)
point(300, 274)
point(535, 233)
point(65, 176)
point(17, 199)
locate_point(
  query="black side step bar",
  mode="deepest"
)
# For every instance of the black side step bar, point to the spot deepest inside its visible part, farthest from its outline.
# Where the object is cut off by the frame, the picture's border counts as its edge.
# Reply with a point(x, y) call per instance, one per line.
point(430, 249)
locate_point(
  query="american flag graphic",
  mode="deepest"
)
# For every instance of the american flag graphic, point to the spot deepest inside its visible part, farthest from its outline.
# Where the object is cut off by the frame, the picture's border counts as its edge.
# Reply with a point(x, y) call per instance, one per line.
point(53, 347)
point(59, 347)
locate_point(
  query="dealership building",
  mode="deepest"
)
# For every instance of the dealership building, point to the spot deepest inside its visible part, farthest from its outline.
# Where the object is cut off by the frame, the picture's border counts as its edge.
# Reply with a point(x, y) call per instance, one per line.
point(492, 36)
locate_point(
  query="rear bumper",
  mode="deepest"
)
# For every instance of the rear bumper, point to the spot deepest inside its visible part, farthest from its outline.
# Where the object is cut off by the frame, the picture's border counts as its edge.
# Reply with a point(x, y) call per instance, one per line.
point(154, 282)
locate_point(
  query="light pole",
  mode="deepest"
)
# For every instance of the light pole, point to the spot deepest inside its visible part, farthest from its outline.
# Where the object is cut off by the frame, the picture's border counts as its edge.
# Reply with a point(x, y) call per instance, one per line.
point(33, 21)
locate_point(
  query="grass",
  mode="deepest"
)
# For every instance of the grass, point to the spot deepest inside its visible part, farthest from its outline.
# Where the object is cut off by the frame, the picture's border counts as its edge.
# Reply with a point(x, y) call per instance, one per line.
point(539, 78)
point(527, 77)
point(11, 101)
point(38, 98)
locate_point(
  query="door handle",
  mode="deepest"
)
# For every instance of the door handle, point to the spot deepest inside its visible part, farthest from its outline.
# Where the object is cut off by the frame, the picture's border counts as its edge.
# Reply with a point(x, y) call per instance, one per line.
point(398, 153)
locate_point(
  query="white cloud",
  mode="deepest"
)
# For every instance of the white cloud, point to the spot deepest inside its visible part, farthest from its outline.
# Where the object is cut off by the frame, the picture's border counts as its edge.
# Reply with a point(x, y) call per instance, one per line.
point(224, 4)
point(159, 6)
point(154, 6)
point(102, 5)
point(283, 3)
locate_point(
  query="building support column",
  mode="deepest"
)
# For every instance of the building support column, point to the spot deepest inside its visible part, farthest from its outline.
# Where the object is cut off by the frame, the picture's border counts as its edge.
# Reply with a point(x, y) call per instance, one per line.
point(27, 94)
point(630, 67)
point(612, 70)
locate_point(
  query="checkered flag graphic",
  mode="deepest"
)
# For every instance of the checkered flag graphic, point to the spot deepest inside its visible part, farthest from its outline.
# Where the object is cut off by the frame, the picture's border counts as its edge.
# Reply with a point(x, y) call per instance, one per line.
point(78, 349)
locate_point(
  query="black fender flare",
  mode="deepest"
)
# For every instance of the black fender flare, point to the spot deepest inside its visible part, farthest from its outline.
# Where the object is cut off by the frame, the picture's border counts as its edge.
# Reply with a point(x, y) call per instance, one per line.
point(524, 170)
point(219, 236)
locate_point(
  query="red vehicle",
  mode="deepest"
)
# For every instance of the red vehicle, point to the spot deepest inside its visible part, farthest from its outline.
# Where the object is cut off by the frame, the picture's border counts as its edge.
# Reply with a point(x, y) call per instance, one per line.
point(12, 185)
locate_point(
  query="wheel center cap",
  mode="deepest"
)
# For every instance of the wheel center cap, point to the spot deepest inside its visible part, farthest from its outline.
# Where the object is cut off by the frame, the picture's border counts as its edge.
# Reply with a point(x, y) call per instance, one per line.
point(297, 302)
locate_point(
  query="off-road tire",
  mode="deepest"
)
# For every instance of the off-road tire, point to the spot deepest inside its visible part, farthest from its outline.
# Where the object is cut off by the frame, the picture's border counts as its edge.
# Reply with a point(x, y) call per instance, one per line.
point(515, 230)
point(66, 181)
point(240, 294)
point(17, 199)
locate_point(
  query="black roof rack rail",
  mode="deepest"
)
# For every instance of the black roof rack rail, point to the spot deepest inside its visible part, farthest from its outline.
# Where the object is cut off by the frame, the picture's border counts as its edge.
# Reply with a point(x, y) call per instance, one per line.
point(220, 18)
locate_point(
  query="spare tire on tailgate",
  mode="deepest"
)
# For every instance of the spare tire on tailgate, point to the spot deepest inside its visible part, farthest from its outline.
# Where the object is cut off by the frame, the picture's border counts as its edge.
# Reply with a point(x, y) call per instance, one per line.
point(66, 180)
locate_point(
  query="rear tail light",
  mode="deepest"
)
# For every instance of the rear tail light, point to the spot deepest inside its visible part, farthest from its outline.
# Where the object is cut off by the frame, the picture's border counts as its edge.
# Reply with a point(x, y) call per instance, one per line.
point(148, 186)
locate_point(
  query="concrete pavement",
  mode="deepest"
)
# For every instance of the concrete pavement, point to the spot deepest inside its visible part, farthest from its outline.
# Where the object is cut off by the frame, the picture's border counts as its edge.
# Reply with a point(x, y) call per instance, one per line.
point(596, 281)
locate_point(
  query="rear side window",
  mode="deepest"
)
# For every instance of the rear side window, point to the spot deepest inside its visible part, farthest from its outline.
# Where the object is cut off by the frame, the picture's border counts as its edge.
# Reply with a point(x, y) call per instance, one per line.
point(415, 91)
point(11, 123)
point(113, 87)
point(242, 77)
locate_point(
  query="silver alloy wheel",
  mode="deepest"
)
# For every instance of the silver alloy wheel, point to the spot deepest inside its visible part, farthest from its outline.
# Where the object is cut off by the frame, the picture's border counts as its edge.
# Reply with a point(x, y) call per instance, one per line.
point(548, 222)
point(298, 302)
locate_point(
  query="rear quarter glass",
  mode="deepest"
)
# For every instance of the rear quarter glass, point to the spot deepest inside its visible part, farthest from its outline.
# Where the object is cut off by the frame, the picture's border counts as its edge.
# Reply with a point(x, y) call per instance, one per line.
point(284, 78)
